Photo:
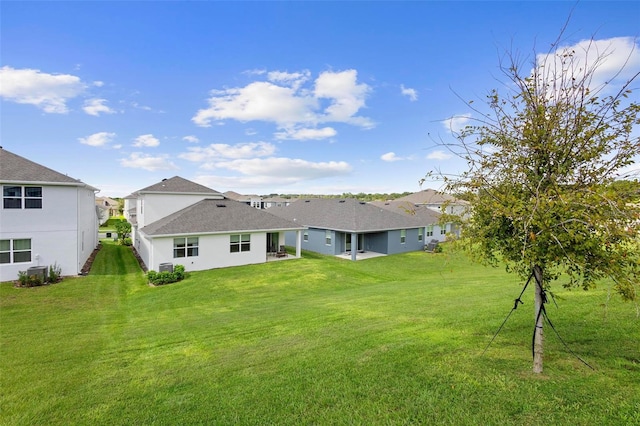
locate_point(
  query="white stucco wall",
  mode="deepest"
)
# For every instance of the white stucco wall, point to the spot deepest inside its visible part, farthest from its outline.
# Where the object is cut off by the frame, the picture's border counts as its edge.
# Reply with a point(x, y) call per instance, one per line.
point(213, 252)
point(63, 231)
point(152, 207)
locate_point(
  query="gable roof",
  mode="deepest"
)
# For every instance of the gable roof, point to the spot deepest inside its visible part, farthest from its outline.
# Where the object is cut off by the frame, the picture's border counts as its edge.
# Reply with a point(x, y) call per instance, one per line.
point(348, 215)
point(425, 214)
point(17, 169)
point(217, 216)
point(175, 185)
point(431, 196)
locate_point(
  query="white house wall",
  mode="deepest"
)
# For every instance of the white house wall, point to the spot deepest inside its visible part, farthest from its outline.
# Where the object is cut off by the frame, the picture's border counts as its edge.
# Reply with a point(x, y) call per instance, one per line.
point(152, 207)
point(64, 231)
point(213, 252)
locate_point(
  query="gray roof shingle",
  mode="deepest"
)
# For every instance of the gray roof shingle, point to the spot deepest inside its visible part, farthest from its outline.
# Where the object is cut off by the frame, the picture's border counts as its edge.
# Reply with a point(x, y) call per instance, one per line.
point(425, 214)
point(14, 168)
point(175, 185)
point(218, 216)
point(348, 215)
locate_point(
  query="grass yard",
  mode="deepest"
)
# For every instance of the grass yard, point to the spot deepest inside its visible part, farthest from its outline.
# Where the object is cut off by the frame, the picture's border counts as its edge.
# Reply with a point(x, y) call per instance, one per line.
point(319, 340)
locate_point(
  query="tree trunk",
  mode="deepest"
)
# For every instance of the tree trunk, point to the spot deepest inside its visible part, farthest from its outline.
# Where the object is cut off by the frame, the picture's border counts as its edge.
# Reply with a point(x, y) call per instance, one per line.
point(538, 336)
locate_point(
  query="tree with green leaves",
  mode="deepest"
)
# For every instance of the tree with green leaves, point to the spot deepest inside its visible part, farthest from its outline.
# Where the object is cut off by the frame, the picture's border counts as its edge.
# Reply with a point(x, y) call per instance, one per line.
point(124, 230)
point(543, 159)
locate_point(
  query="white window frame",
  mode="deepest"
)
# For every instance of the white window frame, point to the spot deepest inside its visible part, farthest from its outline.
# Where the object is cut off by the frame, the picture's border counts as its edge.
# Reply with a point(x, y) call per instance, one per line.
point(403, 236)
point(239, 243)
point(328, 237)
point(12, 250)
point(429, 231)
point(187, 246)
point(23, 198)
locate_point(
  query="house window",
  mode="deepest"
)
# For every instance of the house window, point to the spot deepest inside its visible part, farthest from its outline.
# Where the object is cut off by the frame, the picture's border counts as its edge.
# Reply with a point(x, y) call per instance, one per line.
point(420, 236)
point(15, 251)
point(327, 238)
point(430, 231)
point(239, 243)
point(305, 236)
point(13, 196)
point(443, 230)
point(403, 236)
point(33, 197)
point(185, 247)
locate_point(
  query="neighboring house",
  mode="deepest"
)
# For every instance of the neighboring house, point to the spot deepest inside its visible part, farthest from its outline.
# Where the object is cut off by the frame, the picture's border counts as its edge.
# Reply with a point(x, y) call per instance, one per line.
point(251, 200)
point(181, 222)
point(433, 229)
point(46, 218)
point(276, 202)
point(112, 206)
point(258, 201)
point(438, 201)
point(337, 226)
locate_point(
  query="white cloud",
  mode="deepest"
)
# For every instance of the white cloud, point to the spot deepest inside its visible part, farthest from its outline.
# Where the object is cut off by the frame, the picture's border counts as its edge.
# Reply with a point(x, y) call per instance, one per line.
point(261, 101)
point(456, 123)
point(216, 152)
point(412, 94)
point(305, 134)
point(49, 92)
point(191, 139)
point(294, 80)
point(438, 155)
point(288, 169)
point(613, 61)
point(138, 160)
point(285, 102)
point(146, 141)
point(98, 139)
point(98, 83)
point(346, 94)
point(390, 157)
point(96, 106)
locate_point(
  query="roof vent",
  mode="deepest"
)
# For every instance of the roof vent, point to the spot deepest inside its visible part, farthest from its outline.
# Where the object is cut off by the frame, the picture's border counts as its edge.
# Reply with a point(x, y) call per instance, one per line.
point(221, 205)
point(164, 179)
point(307, 201)
point(341, 201)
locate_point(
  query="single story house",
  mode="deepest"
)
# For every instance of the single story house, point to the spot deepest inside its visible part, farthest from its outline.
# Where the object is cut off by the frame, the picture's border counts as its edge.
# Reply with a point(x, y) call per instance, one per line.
point(338, 226)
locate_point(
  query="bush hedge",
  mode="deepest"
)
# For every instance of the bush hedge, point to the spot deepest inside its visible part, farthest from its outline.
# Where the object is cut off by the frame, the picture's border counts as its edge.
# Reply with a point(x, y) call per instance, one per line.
point(166, 277)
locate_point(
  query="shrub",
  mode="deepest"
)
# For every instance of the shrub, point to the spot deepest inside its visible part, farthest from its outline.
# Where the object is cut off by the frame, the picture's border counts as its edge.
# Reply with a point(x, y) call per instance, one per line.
point(52, 276)
point(55, 273)
point(166, 277)
point(126, 241)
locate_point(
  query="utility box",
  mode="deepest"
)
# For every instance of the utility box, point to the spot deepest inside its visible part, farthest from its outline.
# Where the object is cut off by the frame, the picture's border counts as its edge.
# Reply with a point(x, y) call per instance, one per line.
point(38, 271)
point(166, 267)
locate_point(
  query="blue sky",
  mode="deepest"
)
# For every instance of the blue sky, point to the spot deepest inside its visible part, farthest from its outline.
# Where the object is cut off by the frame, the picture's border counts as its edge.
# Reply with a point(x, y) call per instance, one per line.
point(267, 97)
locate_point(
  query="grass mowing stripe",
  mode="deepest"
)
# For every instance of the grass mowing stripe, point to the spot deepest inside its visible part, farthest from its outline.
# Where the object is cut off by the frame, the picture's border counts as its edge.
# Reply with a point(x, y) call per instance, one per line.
point(390, 340)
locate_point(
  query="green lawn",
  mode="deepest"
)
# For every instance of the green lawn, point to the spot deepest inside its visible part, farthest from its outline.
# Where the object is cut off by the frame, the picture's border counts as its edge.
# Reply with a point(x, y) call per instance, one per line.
point(318, 340)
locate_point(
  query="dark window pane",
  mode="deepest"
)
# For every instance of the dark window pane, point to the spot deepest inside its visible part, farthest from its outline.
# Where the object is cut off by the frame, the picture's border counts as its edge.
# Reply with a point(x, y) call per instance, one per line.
point(33, 203)
point(21, 256)
point(33, 191)
point(193, 251)
point(235, 248)
point(12, 191)
point(5, 257)
point(12, 203)
point(246, 246)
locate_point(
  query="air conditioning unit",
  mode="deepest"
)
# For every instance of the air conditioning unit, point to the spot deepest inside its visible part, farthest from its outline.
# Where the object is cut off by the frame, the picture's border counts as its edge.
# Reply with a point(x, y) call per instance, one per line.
point(39, 271)
point(166, 267)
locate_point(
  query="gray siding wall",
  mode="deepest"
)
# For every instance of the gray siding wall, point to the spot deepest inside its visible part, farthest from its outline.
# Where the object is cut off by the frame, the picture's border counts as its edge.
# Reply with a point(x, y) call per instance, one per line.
point(316, 241)
point(411, 242)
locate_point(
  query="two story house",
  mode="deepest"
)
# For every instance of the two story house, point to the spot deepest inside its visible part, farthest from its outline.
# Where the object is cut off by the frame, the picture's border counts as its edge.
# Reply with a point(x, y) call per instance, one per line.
point(46, 218)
